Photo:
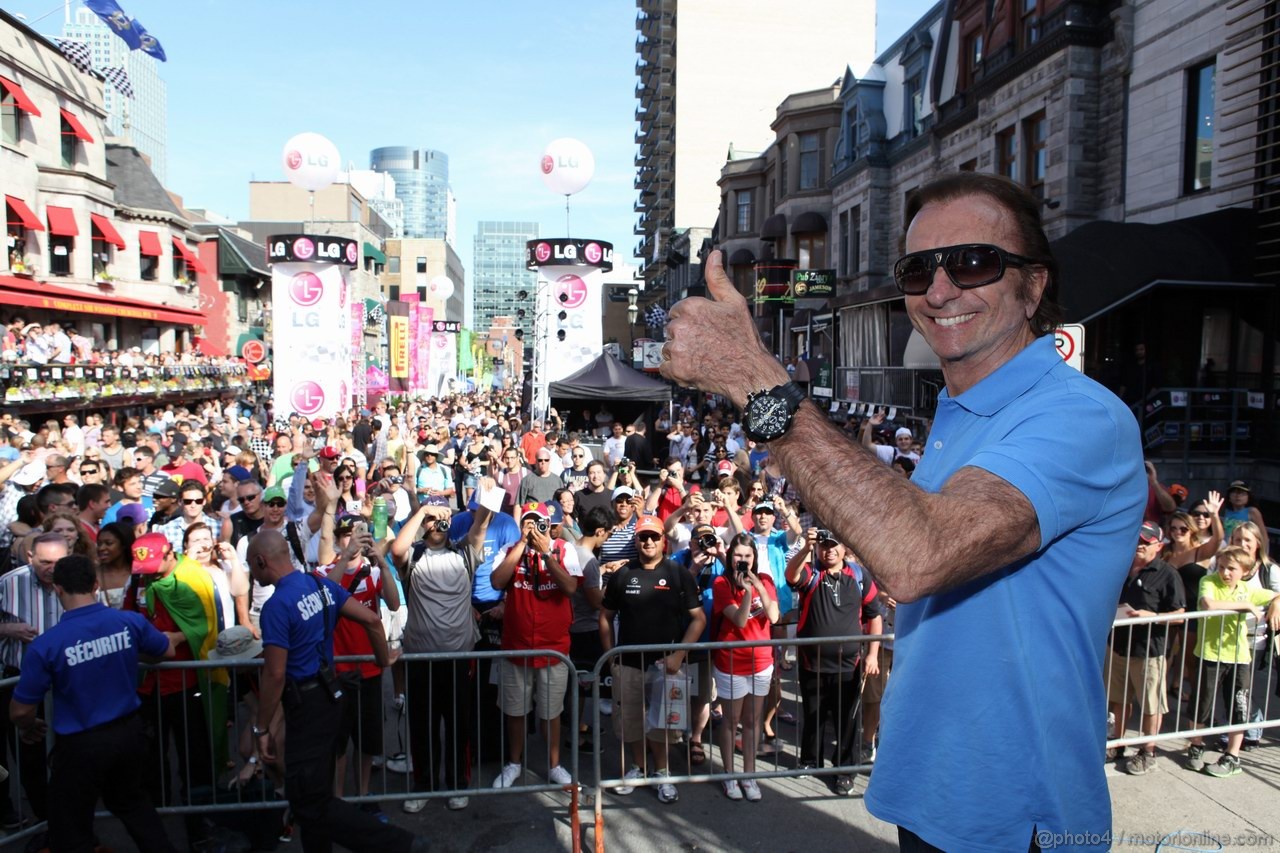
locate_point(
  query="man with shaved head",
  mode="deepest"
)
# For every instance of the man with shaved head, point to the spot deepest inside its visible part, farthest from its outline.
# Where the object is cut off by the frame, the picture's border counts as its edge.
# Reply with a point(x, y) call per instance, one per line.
point(297, 636)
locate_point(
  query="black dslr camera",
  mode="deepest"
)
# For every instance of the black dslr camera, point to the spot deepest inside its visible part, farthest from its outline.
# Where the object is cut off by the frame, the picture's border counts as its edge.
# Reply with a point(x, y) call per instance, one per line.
point(440, 525)
point(707, 541)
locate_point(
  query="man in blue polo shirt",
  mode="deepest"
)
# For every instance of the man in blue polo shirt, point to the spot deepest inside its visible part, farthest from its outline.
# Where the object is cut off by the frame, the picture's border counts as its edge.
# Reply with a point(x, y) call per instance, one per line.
point(1005, 551)
point(90, 661)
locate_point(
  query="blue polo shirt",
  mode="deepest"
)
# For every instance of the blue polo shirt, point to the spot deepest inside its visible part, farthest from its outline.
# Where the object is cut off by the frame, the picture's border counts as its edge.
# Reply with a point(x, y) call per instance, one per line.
point(294, 619)
point(995, 719)
point(500, 535)
point(90, 659)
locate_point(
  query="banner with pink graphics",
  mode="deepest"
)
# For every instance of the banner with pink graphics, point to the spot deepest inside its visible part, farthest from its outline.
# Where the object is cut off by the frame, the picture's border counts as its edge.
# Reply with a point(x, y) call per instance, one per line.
point(415, 314)
point(311, 323)
point(359, 390)
point(423, 333)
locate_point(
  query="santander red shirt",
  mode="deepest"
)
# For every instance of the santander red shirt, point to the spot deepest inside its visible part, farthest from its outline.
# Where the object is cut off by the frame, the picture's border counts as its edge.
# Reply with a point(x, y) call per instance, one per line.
point(538, 613)
point(350, 638)
point(741, 661)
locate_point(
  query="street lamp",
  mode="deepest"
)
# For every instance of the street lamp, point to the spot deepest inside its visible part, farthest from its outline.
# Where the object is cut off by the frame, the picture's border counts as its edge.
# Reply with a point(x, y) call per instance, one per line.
point(632, 308)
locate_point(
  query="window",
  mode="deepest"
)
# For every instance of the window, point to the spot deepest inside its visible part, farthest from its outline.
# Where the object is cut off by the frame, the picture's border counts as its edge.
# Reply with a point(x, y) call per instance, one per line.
point(913, 115)
point(782, 175)
point(811, 251)
point(1029, 30)
point(60, 254)
point(68, 145)
point(242, 309)
point(1037, 133)
point(745, 220)
point(10, 118)
point(850, 241)
point(393, 264)
point(394, 292)
point(101, 256)
point(810, 160)
point(149, 267)
point(973, 54)
point(422, 266)
point(969, 165)
point(1007, 153)
point(1198, 171)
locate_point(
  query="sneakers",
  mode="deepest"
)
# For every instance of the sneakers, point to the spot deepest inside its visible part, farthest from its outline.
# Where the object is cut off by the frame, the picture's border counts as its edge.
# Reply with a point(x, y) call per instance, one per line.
point(751, 790)
point(413, 806)
point(1143, 762)
point(632, 775)
point(457, 804)
point(667, 792)
point(844, 785)
point(375, 810)
point(732, 789)
point(867, 753)
point(557, 776)
point(510, 773)
point(807, 765)
point(399, 763)
point(1195, 758)
point(1227, 765)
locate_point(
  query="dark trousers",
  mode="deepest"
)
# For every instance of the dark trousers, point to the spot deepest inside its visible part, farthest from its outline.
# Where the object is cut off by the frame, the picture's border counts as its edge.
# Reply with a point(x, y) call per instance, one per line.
point(311, 722)
point(178, 716)
point(828, 700)
point(102, 762)
point(441, 695)
point(30, 759)
point(909, 842)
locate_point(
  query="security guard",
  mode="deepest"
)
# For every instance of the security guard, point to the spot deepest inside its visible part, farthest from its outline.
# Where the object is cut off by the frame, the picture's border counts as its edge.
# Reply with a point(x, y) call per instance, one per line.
point(297, 637)
point(90, 660)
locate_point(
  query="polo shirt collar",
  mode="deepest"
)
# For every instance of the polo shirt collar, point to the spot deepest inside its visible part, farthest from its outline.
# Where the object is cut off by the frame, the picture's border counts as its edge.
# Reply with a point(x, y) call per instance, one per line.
point(83, 610)
point(1010, 380)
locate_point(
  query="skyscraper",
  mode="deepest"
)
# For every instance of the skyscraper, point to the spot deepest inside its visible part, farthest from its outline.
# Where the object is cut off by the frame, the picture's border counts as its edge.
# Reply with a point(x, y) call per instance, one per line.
point(422, 184)
point(686, 122)
point(140, 121)
point(498, 274)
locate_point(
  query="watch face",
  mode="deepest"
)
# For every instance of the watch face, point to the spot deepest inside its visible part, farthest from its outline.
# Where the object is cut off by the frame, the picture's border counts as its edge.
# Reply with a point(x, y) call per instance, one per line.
point(768, 416)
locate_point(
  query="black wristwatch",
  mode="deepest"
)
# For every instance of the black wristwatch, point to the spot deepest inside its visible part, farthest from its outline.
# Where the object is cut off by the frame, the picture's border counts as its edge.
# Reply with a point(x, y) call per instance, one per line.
point(768, 414)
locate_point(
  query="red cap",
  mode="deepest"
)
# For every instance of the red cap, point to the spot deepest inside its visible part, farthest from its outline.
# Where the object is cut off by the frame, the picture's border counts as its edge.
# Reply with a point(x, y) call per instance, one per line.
point(649, 524)
point(318, 423)
point(330, 453)
point(149, 551)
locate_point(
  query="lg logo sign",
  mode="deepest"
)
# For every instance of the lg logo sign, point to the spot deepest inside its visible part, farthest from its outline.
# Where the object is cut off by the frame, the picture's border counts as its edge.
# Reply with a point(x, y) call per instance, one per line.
point(307, 398)
point(571, 291)
point(294, 159)
point(306, 289)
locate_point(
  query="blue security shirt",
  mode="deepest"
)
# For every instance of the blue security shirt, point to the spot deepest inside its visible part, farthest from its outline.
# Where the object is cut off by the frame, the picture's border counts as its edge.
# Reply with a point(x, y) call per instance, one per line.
point(294, 619)
point(90, 659)
point(994, 721)
point(500, 535)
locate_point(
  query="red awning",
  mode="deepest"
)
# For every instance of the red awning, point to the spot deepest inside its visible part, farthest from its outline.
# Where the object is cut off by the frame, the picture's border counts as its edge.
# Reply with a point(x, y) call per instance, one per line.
point(188, 256)
point(26, 218)
point(149, 244)
point(108, 231)
point(76, 127)
point(20, 98)
point(19, 291)
point(62, 221)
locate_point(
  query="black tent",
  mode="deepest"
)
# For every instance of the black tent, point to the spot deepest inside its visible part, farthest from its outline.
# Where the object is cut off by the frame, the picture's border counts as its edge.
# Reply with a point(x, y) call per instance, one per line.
point(609, 379)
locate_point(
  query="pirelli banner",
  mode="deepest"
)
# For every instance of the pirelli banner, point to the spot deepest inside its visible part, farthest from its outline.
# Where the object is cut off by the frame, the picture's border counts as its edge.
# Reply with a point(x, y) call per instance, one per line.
point(311, 337)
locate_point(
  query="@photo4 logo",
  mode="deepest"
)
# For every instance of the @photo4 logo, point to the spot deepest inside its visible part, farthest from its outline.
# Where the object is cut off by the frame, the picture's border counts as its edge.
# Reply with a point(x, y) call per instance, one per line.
point(306, 289)
point(307, 397)
point(571, 291)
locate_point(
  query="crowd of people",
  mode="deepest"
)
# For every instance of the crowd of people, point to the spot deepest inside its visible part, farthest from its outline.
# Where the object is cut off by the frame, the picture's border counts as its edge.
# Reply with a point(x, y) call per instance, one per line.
point(57, 343)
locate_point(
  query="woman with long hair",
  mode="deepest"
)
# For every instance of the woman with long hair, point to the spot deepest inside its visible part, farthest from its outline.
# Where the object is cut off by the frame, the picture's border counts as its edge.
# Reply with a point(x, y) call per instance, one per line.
point(349, 501)
point(569, 530)
point(115, 562)
point(218, 559)
point(744, 605)
point(65, 522)
point(1191, 546)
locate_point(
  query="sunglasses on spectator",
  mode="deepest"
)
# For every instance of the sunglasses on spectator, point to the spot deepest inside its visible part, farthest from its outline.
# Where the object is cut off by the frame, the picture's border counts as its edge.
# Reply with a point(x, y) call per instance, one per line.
point(1179, 529)
point(192, 501)
point(1201, 514)
point(247, 498)
point(276, 503)
point(648, 537)
point(967, 265)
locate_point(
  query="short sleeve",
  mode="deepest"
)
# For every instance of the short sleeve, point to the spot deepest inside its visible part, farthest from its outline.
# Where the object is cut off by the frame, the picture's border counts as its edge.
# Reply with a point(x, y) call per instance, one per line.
point(611, 596)
point(721, 595)
point(339, 594)
point(274, 623)
point(591, 574)
point(571, 563)
point(36, 676)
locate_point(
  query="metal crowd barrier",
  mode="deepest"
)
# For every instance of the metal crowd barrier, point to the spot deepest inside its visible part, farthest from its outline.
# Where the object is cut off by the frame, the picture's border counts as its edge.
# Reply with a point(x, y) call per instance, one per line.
point(1186, 680)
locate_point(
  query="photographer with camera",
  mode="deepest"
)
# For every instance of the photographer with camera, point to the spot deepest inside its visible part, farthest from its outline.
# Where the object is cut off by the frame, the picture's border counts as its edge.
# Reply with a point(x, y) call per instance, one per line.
point(624, 474)
point(745, 604)
point(540, 575)
point(837, 598)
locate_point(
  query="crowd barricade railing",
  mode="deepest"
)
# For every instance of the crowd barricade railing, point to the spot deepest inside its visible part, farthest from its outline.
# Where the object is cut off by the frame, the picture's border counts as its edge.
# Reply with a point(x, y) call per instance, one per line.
point(1184, 694)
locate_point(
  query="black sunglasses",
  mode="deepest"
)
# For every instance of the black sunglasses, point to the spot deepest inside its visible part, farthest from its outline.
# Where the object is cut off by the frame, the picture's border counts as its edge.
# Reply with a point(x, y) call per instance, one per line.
point(276, 502)
point(1201, 514)
point(648, 537)
point(967, 265)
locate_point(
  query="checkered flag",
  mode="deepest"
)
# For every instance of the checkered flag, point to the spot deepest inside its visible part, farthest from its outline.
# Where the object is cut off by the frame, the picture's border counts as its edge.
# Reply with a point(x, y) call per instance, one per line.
point(376, 314)
point(77, 53)
point(119, 79)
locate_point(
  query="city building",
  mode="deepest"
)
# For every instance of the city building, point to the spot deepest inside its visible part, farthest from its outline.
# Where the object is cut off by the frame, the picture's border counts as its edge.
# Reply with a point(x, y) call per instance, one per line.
point(379, 190)
point(93, 239)
point(735, 66)
point(412, 267)
point(140, 120)
point(422, 185)
point(498, 274)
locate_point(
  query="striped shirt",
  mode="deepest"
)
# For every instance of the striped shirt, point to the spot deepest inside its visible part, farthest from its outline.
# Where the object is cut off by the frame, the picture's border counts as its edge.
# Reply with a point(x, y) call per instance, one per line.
point(621, 544)
point(24, 599)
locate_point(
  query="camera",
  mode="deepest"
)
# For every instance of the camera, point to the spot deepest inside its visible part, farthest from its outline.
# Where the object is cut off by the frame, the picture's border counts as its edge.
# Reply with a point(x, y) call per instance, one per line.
point(541, 525)
point(624, 462)
point(707, 541)
point(440, 525)
point(741, 568)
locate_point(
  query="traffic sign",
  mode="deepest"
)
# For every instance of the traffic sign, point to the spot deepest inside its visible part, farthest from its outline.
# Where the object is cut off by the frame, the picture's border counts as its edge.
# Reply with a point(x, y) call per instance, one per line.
point(1070, 341)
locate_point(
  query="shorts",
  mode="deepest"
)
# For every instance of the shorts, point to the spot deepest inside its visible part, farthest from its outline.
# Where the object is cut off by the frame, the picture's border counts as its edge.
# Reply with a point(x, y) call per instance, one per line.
point(361, 719)
point(628, 706)
point(393, 622)
point(518, 683)
point(1231, 681)
point(873, 689)
point(730, 687)
point(1137, 679)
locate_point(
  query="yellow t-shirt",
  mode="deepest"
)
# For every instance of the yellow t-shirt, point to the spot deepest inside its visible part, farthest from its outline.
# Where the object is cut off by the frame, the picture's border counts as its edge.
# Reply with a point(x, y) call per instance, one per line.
point(1225, 638)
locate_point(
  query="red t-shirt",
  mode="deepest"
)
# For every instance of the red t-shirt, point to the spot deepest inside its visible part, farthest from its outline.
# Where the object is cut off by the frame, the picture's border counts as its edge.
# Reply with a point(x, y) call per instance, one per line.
point(184, 471)
point(670, 501)
point(350, 638)
point(170, 680)
point(741, 661)
point(536, 618)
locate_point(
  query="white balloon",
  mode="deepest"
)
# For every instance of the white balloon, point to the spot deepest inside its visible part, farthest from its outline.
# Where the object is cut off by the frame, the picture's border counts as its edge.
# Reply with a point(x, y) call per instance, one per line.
point(310, 161)
point(441, 286)
point(567, 166)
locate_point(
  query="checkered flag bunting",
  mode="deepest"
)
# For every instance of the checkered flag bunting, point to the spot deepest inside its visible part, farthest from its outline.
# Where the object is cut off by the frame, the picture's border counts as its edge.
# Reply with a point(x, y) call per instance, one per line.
point(118, 78)
point(77, 53)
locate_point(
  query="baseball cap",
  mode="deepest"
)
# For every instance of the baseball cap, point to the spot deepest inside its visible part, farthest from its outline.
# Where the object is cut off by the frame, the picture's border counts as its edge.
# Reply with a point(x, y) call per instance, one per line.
point(649, 524)
point(239, 473)
point(149, 551)
point(901, 432)
point(725, 467)
point(330, 452)
point(1150, 532)
point(623, 491)
point(167, 489)
point(236, 643)
point(764, 505)
point(1179, 492)
point(273, 493)
point(30, 474)
point(700, 529)
point(1238, 485)
point(535, 509)
point(318, 423)
point(345, 522)
point(132, 513)
point(555, 512)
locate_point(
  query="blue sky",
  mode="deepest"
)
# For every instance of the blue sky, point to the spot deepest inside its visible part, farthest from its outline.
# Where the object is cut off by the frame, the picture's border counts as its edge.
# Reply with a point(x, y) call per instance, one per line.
point(490, 84)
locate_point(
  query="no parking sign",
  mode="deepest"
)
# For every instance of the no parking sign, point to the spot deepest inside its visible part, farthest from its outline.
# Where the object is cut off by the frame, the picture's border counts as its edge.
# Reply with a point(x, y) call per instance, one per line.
point(1070, 341)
